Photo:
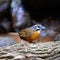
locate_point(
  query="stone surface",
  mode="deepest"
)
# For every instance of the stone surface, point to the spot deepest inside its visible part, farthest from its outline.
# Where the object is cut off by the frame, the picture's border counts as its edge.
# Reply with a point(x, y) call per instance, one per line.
point(6, 41)
point(31, 51)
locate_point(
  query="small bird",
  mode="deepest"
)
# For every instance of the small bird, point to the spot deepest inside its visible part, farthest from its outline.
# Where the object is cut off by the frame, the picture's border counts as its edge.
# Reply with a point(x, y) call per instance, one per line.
point(32, 33)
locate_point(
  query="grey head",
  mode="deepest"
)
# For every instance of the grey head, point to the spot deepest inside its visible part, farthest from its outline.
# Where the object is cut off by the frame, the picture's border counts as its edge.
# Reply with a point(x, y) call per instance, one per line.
point(38, 27)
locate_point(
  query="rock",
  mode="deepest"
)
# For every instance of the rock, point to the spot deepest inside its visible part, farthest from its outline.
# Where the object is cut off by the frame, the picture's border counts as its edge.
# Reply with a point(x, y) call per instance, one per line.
point(36, 59)
point(6, 41)
point(19, 57)
point(9, 56)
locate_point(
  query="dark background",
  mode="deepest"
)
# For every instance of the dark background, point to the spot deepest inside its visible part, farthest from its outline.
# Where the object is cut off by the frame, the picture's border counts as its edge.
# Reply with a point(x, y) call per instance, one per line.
point(42, 8)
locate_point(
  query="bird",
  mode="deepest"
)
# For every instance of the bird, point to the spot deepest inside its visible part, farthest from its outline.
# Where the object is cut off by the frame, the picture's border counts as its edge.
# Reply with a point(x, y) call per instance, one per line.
point(32, 33)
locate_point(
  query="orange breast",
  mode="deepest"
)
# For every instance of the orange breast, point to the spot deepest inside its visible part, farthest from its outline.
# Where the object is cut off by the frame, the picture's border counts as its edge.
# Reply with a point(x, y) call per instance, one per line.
point(34, 36)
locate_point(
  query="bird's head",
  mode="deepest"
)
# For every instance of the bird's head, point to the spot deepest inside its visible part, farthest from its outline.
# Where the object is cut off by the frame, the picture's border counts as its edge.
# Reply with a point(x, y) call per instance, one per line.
point(38, 27)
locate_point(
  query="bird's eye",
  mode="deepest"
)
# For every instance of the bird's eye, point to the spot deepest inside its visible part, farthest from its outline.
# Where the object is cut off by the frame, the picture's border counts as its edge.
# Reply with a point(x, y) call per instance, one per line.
point(39, 27)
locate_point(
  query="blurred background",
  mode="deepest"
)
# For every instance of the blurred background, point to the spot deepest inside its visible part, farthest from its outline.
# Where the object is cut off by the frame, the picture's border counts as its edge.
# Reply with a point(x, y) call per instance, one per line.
point(19, 14)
